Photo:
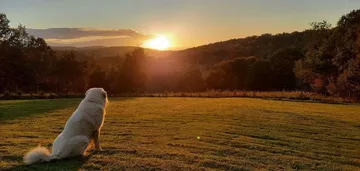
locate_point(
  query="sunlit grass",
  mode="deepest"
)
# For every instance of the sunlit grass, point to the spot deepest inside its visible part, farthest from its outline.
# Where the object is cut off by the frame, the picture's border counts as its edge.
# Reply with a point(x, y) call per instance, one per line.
point(195, 134)
point(280, 95)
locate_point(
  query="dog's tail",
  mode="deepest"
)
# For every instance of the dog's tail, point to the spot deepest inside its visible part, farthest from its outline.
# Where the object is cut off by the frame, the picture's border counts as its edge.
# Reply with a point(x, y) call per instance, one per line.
point(37, 155)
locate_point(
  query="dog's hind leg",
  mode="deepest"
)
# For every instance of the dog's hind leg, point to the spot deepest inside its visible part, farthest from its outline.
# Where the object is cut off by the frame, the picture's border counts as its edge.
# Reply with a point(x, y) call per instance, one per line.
point(78, 145)
point(96, 137)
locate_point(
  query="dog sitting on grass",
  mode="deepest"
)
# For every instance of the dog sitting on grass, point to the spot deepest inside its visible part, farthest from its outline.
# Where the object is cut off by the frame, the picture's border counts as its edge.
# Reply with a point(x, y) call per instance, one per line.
point(82, 128)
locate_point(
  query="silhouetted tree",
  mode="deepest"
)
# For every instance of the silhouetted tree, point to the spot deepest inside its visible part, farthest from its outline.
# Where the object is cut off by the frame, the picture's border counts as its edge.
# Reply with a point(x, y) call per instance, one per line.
point(133, 72)
point(69, 74)
point(192, 81)
point(98, 78)
point(259, 76)
point(283, 63)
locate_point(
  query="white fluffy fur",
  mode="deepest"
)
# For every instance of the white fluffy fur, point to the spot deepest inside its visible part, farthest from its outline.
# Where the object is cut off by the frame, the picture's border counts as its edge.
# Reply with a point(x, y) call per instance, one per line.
point(82, 127)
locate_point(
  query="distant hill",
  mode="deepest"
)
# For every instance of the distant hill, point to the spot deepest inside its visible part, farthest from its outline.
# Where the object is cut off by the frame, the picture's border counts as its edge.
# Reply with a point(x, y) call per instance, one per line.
point(202, 57)
point(108, 56)
point(259, 46)
point(102, 51)
point(206, 55)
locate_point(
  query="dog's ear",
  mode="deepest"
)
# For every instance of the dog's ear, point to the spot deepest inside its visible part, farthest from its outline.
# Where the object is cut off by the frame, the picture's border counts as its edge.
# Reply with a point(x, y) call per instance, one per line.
point(104, 94)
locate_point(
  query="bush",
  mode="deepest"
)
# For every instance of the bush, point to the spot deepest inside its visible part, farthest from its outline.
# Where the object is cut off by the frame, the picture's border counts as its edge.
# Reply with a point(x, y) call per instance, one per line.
point(42, 95)
point(6, 94)
point(19, 93)
point(302, 96)
point(52, 96)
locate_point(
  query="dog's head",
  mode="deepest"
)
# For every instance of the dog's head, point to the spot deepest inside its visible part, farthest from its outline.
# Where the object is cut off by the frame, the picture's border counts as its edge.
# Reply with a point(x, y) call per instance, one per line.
point(97, 95)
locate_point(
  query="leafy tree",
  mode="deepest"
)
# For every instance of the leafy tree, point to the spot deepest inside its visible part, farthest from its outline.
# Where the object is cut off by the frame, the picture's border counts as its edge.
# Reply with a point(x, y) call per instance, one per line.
point(240, 68)
point(4, 27)
point(69, 73)
point(98, 78)
point(114, 80)
point(283, 63)
point(316, 68)
point(259, 76)
point(192, 81)
point(216, 80)
point(133, 72)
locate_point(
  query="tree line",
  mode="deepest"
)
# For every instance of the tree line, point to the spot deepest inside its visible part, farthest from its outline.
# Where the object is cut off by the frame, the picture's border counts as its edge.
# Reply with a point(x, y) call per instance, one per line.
point(323, 59)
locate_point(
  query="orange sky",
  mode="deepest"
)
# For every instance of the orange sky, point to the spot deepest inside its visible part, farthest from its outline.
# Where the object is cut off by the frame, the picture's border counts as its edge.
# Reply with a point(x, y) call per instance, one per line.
point(186, 23)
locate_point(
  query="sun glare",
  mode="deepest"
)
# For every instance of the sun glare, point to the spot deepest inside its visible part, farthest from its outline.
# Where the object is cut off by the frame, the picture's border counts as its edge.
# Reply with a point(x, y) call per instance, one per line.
point(159, 43)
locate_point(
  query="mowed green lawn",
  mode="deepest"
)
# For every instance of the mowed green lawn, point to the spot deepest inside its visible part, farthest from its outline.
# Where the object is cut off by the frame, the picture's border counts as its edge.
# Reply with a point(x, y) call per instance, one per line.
point(191, 134)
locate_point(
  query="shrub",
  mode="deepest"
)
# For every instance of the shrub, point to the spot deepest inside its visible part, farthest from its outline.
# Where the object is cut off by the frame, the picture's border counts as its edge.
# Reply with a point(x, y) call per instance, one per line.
point(6, 94)
point(19, 93)
point(42, 95)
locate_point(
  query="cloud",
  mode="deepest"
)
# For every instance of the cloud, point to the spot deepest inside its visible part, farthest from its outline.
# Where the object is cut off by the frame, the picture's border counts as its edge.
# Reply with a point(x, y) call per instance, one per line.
point(71, 33)
point(97, 41)
point(84, 39)
point(90, 36)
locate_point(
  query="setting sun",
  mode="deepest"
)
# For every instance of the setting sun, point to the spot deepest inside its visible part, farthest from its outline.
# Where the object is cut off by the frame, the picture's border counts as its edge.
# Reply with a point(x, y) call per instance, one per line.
point(159, 43)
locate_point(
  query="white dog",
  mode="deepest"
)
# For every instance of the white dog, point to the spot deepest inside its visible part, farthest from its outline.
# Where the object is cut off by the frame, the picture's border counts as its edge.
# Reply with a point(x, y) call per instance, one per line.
point(82, 127)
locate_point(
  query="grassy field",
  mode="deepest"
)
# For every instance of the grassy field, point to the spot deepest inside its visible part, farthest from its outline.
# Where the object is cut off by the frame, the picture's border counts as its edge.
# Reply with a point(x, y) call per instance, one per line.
point(277, 95)
point(191, 134)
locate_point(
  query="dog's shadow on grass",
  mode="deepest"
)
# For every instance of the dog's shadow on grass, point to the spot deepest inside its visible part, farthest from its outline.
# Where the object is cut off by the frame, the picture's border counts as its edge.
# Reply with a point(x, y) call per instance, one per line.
point(71, 163)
